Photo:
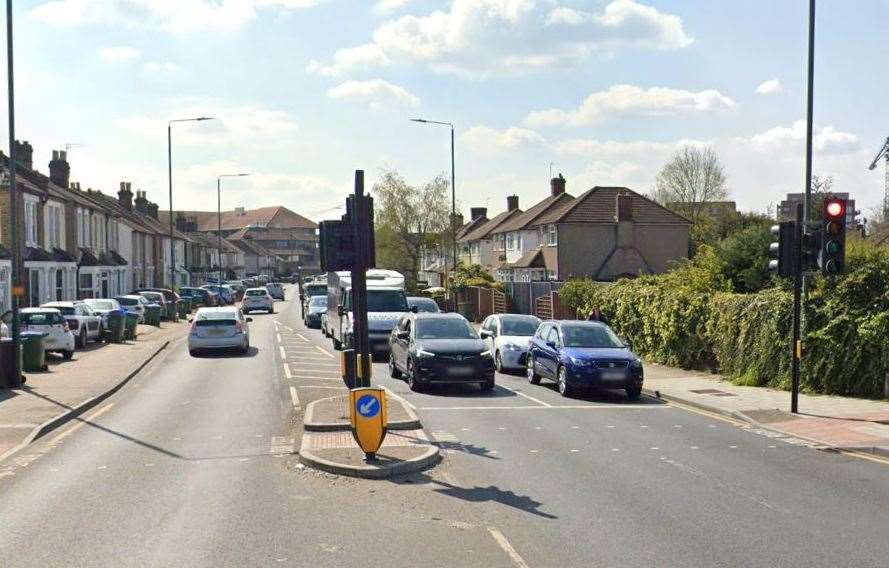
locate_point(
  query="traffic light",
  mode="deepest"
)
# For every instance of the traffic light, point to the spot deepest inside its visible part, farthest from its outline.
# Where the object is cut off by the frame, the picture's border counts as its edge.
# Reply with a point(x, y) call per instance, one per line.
point(832, 259)
point(784, 250)
point(335, 244)
point(811, 249)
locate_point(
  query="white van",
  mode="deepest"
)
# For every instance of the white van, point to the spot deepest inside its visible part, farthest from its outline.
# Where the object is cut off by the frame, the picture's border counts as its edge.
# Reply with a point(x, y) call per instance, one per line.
point(386, 302)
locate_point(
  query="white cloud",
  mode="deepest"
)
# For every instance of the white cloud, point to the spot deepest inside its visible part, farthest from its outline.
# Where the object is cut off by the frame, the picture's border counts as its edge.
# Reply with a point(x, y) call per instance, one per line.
point(477, 38)
point(385, 7)
point(119, 53)
point(632, 100)
point(489, 140)
point(166, 66)
point(362, 57)
point(176, 16)
point(827, 140)
point(770, 87)
point(378, 94)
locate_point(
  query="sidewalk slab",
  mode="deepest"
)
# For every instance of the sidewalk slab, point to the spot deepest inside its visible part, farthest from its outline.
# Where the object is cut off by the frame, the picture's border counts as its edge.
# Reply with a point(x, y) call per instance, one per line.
point(48, 399)
point(831, 421)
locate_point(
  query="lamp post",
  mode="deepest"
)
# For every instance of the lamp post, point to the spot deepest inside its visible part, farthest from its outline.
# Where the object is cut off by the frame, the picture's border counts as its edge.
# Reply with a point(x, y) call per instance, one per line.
point(453, 189)
point(170, 181)
point(15, 275)
point(219, 216)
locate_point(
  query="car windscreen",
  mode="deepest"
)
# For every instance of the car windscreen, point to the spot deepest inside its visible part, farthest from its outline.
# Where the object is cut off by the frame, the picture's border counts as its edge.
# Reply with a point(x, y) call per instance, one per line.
point(41, 318)
point(519, 326)
point(424, 305)
point(65, 310)
point(444, 328)
point(316, 290)
point(386, 301)
point(256, 292)
point(102, 305)
point(128, 301)
point(318, 302)
point(591, 336)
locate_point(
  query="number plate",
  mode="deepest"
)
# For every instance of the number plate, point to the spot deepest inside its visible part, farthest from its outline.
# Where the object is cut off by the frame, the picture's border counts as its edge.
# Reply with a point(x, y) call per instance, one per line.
point(216, 332)
point(460, 370)
point(613, 375)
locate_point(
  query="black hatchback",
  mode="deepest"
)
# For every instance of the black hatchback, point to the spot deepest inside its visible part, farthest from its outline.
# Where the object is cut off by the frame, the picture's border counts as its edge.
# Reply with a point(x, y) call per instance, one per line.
point(427, 349)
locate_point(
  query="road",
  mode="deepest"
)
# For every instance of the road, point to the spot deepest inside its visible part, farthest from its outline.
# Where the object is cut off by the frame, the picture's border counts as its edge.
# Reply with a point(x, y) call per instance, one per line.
point(191, 464)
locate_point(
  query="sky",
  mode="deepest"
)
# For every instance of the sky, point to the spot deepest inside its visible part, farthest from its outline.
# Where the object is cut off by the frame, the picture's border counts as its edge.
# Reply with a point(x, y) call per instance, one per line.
point(304, 92)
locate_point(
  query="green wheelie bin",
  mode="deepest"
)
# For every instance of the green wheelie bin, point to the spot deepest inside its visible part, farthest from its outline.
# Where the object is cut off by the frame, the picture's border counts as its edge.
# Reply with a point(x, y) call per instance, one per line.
point(184, 307)
point(172, 314)
point(117, 323)
point(153, 315)
point(131, 325)
point(33, 353)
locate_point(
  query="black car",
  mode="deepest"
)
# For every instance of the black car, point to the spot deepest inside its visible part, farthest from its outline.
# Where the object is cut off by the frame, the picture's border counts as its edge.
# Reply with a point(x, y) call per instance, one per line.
point(317, 306)
point(431, 349)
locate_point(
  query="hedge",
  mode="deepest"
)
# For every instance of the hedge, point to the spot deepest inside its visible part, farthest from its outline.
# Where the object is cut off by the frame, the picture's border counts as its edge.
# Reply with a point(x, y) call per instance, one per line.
point(676, 320)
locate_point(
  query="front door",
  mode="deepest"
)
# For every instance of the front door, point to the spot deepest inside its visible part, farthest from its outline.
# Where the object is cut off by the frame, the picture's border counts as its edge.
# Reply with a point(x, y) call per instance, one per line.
point(34, 287)
point(104, 284)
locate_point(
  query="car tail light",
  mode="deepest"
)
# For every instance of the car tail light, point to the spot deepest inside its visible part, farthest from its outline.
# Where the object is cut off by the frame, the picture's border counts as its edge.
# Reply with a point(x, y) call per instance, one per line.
point(194, 326)
point(239, 326)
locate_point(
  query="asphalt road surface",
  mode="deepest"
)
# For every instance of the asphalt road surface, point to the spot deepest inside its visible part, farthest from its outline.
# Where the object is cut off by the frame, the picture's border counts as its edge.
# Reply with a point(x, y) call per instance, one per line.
point(191, 464)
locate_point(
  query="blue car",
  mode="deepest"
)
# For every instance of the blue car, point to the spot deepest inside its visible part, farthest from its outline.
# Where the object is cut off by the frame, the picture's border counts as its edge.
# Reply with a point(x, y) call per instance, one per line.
point(583, 355)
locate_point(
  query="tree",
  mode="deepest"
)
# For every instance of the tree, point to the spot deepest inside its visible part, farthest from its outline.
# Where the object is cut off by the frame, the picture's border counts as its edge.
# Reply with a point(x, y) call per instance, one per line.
point(746, 259)
point(692, 178)
point(408, 221)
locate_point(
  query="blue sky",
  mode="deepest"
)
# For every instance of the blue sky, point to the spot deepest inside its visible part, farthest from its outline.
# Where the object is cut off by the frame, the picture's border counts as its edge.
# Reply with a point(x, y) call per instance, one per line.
point(306, 91)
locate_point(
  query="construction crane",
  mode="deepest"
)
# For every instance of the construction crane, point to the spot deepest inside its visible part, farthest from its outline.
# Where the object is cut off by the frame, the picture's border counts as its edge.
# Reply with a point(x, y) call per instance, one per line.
point(883, 154)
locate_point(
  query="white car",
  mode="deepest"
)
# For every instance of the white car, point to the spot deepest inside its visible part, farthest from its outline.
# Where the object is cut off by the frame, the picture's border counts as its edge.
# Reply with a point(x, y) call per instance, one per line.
point(222, 327)
point(134, 303)
point(508, 337)
point(82, 321)
point(257, 299)
point(59, 338)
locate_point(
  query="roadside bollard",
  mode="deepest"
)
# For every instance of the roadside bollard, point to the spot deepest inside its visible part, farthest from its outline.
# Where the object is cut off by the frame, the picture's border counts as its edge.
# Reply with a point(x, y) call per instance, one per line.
point(348, 367)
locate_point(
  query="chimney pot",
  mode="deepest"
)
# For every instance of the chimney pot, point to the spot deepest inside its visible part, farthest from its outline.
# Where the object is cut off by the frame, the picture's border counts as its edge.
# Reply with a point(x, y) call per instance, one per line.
point(557, 185)
point(59, 169)
point(24, 154)
point(512, 202)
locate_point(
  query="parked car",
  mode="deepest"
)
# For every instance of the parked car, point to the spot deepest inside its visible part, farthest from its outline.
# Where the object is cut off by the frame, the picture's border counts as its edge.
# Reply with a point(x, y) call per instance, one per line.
point(156, 298)
point(258, 299)
point(317, 308)
point(82, 321)
point(583, 355)
point(102, 306)
point(430, 349)
point(134, 303)
point(276, 290)
point(238, 288)
point(508, 336)
point(226, 295)
point(59, 338)
point(425, 305)
point(219, 328)
point(169, 295)
point(198, 296)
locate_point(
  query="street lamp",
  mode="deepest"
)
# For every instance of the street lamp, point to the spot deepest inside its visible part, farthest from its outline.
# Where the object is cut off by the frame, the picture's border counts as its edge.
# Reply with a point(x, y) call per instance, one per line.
point(15, 275)
point(453, 189)
point(219, 216)
point(170, 180)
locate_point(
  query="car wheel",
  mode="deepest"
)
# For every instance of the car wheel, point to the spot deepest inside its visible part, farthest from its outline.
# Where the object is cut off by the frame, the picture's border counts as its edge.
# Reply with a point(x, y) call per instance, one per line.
point(393, 370)
point(193, 352)
point(633, 393)
point(533, 377)
point(412, 381)
point(487, 385)
point(67, 355)
point(81, 339)
point(271, 310)
point(564, 388)
point(498, 362)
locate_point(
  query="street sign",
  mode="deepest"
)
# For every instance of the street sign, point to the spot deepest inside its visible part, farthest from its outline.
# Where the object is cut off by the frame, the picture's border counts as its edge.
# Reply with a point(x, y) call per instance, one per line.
point(367, 410)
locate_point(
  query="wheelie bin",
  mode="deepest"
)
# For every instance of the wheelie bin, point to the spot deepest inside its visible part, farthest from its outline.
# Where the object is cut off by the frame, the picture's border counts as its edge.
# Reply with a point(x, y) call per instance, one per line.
point(131, 324)
point(116, 321)
point(172, 314)
point(153, 315)
point(33, 353)
point(10, 375)
point(184, 307)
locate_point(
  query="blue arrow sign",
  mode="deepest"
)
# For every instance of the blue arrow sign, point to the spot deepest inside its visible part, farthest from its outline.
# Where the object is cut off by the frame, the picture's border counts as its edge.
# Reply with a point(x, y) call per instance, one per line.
point(368, 406)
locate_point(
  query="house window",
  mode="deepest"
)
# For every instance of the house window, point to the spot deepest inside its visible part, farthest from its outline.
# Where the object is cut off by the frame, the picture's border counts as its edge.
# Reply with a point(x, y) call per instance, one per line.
point(510, 241)
point(86, 285)
point(552, 236)
point(518, 241)
point(473, 248)
point(60, 284)
point(31, 221)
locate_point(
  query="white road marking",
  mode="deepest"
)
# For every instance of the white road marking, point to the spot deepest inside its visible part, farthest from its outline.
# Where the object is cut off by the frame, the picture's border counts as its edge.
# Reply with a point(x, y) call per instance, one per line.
point(733, 447)
point(501, 428)
point(287, 371)
point(301, 336)
point(523, 395)
point(615, 449)
point(244, 459)
point(694, 447)
point(149, 465)
point(398, 398)
point(574, 451)
point(318, 387)
point(283, 353)
point(534, 451)
point(507, 548)
point(82, 423)
point(294, 397)
point(325, 351)
point(102, 467)
point(278, 337)
point(548, 407)
point(318, 377)
point(611, 426)
point(575, 427)
point(643, 426)
point(654, 448)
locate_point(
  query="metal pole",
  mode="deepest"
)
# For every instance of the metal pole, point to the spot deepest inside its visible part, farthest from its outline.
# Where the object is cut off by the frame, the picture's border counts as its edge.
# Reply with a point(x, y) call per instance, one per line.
point(796, 346)
point(453, 202)
point(219, 224)
point(807, 205)
point(170, 182)
point(15, 276)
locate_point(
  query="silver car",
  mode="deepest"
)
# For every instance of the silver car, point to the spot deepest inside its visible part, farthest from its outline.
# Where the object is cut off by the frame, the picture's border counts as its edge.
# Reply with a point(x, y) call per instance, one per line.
point(257, 299)
point(508, 337)
point(222, 327)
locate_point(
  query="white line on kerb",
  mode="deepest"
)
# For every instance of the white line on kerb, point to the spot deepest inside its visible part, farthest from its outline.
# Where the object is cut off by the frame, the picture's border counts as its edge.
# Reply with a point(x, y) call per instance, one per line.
point(287, 371)
point(523, 395)
point(283, 353)
point(82, 423)
point(507, 548)
point(278, 336)
point(301, 336)
point(318, 377)
point(325, 351)
point(294, 397)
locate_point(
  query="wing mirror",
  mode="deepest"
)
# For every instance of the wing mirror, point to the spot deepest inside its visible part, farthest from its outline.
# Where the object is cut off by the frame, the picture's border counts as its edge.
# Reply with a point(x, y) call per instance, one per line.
point(486, 334)
point(341, 311)
point(249, 320)
point(415, 309)
point(403, 334)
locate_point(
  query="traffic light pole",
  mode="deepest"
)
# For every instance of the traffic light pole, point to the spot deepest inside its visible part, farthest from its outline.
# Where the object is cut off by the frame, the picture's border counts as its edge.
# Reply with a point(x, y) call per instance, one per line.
point(796, 346)
point(360, 226)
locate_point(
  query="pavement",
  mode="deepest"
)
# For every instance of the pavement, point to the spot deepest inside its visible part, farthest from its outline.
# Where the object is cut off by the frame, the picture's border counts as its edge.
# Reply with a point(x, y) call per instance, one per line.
point(68, 387)
point(833, 422)
point(193, 462)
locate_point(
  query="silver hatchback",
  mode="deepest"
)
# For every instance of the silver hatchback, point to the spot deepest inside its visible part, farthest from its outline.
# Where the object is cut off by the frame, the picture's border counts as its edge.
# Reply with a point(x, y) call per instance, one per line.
point(219, 328)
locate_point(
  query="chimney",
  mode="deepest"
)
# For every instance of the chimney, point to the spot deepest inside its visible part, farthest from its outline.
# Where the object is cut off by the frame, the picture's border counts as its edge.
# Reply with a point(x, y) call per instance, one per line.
point(557, 185)
point(478, 212)
point(59, 170)
point(181, 223)
point(125, 196)
point(24, 154)
point(142, 203)
point(191, 224)
point(623, 210)
point(512, 202)
point(152, 210)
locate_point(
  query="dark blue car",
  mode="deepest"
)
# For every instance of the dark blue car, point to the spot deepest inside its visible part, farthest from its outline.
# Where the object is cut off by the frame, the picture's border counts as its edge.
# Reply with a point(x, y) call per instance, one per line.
point(583, 355)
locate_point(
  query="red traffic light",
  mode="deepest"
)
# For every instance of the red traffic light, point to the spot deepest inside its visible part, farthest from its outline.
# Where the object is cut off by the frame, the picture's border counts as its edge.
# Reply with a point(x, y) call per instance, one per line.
point(835, 208)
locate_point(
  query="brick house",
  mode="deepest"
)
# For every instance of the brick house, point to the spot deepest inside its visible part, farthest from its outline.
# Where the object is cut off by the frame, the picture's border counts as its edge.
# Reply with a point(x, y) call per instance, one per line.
point(479, 242)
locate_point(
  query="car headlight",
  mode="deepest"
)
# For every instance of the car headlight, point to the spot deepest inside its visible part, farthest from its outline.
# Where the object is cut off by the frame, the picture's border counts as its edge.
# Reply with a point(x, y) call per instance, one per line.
point(421, 353)
point(636, 364)
point(580, 362)
point(485, 353)
point(512, 347)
